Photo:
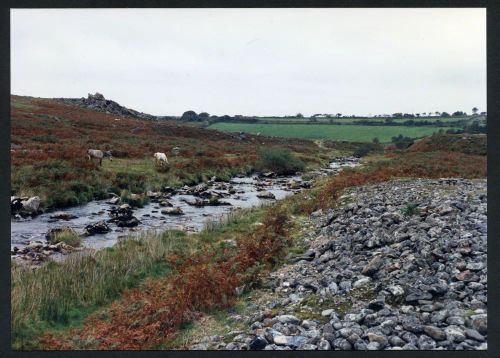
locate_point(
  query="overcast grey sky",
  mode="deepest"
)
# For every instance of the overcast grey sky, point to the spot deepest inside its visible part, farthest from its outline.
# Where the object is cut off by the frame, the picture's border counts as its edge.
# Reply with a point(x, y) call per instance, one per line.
point(255, 61)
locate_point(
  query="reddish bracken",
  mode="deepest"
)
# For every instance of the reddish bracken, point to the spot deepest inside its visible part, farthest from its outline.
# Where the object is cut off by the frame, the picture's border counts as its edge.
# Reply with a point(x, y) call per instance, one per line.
point(145, 317)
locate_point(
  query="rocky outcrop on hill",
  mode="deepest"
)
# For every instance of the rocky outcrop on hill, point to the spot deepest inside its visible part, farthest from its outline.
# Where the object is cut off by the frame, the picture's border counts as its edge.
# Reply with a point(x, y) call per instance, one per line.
point(398, 266)
point(99, 103)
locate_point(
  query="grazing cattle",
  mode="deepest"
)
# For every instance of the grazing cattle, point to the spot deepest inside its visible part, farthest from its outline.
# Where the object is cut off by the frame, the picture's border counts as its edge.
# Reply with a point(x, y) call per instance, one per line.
point(160, 158)
point(95, 153)
point(99, 154)
point(176, 150)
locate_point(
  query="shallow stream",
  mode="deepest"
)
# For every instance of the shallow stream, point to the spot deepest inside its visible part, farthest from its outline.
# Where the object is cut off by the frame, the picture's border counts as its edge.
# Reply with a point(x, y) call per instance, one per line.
point(193, 220)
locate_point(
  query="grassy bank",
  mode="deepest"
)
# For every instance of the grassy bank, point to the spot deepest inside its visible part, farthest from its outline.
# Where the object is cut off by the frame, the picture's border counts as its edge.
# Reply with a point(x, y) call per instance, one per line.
point(49, 141)
point(338, 132)
point(60, 294)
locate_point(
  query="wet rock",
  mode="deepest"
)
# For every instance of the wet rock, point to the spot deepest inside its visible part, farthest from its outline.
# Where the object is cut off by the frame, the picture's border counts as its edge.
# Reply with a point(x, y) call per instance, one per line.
point(114, 200)
point(61, 215)
point(99, 227)
point(172, 211)
point(258, 343)
point(165, 203)
point(198, 189)
point(265, 195)
point(268, 175)
point(131, 222)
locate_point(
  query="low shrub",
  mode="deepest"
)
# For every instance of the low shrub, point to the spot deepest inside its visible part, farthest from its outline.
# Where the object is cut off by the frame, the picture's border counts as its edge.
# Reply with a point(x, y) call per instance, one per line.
point(362, 151)
point(279, 160)
point(410, 209)
point(402, 142)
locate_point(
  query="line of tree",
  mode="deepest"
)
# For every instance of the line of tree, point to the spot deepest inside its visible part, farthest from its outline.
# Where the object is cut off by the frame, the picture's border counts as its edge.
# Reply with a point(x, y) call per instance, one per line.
point(192, 116)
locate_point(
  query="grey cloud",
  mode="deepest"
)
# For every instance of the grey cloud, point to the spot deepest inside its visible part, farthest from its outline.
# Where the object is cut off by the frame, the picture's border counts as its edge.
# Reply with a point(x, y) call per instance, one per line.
point(255, 61)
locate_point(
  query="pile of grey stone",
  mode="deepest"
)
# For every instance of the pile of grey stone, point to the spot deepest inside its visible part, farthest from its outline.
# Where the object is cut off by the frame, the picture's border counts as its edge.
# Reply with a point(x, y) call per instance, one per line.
point(399, 265)
point(99, 103)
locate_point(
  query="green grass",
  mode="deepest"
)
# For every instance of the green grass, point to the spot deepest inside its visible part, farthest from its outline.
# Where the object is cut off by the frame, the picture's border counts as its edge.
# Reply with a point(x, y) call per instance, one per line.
point(69, 237)
point(152, 178)
point(319, 131)
point(352, 120)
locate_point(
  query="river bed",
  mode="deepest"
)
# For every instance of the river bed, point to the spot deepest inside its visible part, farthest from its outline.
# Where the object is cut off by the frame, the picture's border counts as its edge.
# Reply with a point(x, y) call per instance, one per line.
point(194, 219)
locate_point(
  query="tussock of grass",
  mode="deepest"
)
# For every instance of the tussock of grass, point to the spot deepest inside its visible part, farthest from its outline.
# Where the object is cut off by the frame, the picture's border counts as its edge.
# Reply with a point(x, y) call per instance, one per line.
point(68, 236)
point(137, 200)
point(410, 209)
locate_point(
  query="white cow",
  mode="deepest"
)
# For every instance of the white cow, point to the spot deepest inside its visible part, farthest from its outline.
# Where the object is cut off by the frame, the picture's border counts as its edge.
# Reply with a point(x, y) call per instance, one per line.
point(160, 158)
point(95, 153)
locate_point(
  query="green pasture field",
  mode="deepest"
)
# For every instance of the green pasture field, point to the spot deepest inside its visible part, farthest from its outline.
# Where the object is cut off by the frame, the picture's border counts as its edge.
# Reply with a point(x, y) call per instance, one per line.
point(346, 120)
point(358, 133)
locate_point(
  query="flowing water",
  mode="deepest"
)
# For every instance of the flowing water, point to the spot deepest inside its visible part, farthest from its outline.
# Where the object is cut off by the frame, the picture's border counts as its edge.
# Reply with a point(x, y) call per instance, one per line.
point(193, 220)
